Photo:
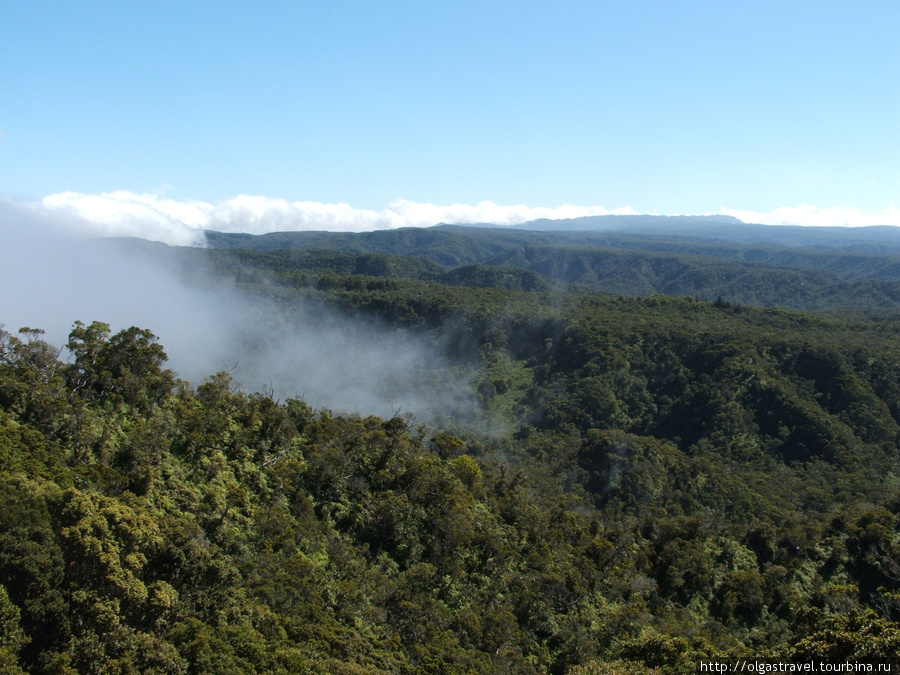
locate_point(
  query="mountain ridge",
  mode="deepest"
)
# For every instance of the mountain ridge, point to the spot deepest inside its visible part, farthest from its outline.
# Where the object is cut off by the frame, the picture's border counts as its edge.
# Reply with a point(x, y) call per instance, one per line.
point(838, 273)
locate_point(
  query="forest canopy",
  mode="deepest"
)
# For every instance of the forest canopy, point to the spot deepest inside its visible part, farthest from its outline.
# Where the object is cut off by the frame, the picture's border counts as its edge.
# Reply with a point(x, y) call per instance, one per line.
point(645, 482)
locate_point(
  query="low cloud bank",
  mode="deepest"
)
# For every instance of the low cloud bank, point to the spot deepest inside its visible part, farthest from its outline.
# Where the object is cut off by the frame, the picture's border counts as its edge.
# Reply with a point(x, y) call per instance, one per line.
point(807, 214)
point(53, 279)
point(181, 223)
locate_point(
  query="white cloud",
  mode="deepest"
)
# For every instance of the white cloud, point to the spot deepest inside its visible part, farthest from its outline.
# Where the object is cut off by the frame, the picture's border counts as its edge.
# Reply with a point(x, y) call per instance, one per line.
point(126, 214)
point(152, 216)
point(157, 217)
point(411, 213)
point(53, 278)
point(807, 214)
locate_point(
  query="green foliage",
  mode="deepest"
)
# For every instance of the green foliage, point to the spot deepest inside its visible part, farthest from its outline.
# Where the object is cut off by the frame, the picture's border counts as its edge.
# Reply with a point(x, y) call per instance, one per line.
point(855, 635)
point(123, 369)
point(12, 637)
point(739, 265)
point(648, 482)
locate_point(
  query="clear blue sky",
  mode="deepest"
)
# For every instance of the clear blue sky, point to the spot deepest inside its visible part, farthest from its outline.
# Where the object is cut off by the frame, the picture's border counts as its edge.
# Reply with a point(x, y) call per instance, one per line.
point(666, 107)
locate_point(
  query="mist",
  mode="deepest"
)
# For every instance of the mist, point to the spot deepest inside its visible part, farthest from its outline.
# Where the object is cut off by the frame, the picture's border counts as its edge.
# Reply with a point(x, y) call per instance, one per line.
point(53, 275)
point(182, 222)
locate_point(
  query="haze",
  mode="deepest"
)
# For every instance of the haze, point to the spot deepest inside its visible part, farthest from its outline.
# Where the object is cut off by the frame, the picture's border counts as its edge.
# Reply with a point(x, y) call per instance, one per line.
point(328, 360)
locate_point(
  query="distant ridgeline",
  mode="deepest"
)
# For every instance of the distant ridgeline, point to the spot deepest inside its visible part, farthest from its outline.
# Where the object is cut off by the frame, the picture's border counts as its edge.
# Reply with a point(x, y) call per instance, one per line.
point(708, 258)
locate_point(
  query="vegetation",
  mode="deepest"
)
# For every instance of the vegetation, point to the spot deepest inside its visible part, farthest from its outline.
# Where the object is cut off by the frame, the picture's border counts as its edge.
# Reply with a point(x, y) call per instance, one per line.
point(665, 480)
point(746, 264)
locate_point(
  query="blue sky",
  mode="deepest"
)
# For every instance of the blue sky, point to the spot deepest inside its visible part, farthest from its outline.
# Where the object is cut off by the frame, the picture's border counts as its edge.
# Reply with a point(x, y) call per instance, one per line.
point(752, 108)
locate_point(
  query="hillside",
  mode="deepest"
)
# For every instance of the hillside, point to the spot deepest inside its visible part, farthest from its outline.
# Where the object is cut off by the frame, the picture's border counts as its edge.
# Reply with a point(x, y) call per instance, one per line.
point(645, 482)
point(828, 273)
point(596, 229)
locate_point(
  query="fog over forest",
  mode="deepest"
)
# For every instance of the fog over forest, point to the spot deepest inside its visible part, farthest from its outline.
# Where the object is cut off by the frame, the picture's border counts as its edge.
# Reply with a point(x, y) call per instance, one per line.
point(62, 276)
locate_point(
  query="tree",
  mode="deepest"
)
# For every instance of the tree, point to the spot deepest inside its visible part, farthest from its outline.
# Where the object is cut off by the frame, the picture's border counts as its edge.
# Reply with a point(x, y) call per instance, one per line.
point(126, 368)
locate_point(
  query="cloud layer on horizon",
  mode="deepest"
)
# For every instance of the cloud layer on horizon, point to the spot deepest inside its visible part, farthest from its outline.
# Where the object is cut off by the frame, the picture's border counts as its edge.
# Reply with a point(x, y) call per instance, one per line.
point(809, 215)
point(181, 222)
point(155, 217)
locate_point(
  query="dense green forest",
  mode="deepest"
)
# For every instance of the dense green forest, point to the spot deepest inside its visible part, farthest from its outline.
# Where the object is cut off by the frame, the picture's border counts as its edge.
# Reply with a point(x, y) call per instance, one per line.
point(646, 481)
point(750, 265)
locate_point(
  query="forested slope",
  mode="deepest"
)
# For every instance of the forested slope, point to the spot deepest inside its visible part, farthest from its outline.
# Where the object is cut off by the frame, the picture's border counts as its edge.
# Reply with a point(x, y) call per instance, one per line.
point(835, 275)
point(649, 481)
